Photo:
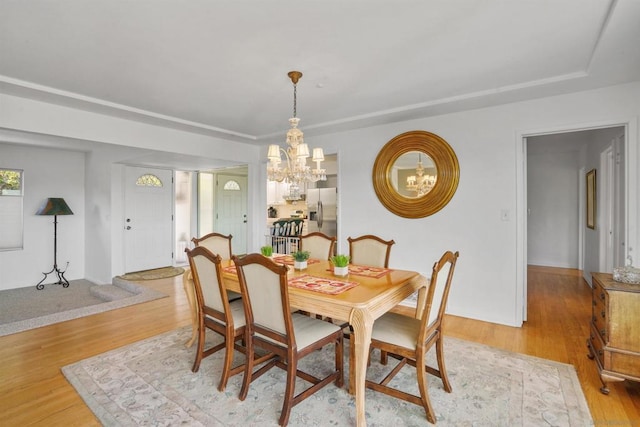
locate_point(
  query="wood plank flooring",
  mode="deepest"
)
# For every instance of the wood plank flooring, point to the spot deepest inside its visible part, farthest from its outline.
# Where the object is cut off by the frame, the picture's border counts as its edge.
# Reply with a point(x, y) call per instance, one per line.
point(34, 391)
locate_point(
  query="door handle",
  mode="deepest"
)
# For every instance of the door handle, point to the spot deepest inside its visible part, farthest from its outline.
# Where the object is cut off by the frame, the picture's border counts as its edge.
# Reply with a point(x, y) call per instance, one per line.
point(128, 227)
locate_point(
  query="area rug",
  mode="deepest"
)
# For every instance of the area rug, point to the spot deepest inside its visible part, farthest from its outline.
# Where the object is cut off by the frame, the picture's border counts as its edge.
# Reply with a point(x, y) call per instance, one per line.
point(151, 383)
point(156, 273)
point(29, 308)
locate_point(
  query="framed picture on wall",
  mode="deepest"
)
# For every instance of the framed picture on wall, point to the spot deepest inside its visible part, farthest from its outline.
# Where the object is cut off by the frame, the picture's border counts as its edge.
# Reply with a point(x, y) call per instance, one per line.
point(591, 199)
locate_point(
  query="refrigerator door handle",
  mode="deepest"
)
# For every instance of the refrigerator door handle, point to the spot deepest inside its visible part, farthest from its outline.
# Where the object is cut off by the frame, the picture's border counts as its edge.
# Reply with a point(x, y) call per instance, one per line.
point(320, 214)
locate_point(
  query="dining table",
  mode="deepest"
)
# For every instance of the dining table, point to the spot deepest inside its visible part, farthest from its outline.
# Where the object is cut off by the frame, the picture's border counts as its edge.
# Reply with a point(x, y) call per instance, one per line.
point(359, 298)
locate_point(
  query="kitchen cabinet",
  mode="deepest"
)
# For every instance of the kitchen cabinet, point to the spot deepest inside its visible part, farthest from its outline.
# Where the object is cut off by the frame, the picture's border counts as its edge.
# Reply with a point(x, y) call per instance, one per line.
point(614, 340)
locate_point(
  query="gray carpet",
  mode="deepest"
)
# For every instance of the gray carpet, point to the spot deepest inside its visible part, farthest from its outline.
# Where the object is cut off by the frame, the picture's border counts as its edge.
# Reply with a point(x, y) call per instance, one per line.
point(150, 383)
point(28, 308)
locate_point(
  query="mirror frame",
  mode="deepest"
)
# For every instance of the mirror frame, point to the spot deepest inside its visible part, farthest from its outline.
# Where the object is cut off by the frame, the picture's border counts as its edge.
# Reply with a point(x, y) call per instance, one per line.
point(446, 164)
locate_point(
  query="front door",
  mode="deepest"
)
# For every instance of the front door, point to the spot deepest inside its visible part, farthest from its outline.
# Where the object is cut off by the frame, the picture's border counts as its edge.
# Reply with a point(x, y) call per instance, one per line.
point(231, 216)
point(148, 217)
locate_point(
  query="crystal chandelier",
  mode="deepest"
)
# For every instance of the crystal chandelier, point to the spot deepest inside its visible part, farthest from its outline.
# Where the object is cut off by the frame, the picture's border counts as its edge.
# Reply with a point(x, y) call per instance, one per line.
point(295, 172)
point(420, 183)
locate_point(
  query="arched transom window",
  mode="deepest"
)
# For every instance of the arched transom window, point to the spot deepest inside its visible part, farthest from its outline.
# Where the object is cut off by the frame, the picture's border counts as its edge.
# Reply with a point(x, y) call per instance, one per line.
point(231, 185)
point(149, 180)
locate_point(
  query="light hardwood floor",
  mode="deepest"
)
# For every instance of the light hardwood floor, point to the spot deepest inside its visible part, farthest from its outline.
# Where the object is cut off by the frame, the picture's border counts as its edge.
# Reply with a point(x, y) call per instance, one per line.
point(34, 392)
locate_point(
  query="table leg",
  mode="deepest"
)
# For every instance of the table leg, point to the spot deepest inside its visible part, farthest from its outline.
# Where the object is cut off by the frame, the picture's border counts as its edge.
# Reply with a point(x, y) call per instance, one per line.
point(362, 323)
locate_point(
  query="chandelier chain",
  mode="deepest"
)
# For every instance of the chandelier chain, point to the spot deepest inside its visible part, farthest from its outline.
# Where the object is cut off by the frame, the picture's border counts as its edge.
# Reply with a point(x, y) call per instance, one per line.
point(295, 93)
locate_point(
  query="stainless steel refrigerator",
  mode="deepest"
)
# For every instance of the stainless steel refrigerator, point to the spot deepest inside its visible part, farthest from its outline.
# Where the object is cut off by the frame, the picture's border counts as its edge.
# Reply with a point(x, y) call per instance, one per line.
point(322, 211)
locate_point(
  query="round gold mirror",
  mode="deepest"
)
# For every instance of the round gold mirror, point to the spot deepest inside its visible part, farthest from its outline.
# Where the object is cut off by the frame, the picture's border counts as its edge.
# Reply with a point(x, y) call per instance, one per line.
point(416, 174)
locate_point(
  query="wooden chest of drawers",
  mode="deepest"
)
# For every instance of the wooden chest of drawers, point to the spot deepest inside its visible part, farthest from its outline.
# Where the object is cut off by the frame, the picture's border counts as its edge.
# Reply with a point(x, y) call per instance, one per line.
point(614, 340)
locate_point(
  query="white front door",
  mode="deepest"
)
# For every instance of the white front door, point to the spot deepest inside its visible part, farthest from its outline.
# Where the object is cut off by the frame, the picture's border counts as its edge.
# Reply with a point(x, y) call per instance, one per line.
point(148, 217)
point(231, 216)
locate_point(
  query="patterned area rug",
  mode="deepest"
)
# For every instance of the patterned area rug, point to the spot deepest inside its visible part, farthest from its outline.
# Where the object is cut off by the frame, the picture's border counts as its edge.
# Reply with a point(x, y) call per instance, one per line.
point(151, 383)
point(156, 273)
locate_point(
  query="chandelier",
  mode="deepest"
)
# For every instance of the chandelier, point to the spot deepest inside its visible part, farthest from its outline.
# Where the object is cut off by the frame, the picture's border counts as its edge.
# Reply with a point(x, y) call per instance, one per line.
point(295, 172)
point(420, 183)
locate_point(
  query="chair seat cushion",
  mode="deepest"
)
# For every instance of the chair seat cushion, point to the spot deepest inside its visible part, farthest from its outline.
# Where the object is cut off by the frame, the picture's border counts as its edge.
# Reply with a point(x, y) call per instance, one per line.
point(237, 313)
point(308, 330)
point(396, 329)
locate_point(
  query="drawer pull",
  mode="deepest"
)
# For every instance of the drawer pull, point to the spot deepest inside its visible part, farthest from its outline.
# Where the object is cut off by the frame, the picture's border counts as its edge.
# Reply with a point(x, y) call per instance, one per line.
point(603, 314)
point(602, 296)
point(600, 352)
point(603, 332)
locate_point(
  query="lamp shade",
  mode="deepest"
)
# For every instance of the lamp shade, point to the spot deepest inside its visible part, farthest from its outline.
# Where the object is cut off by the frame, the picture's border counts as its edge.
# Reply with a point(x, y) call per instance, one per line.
point(54, 206)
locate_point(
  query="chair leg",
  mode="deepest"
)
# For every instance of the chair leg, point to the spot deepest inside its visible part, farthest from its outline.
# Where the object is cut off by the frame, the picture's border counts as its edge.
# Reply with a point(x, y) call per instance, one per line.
point(248, 369)
point(228, 360)
point(422, 385)
point(383, 357)
point(288, 394)
point(199, 349)
point(441, 367)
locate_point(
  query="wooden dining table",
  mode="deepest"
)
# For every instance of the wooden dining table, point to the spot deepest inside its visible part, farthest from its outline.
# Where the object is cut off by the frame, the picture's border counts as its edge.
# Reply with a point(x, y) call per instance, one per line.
point(376, 291)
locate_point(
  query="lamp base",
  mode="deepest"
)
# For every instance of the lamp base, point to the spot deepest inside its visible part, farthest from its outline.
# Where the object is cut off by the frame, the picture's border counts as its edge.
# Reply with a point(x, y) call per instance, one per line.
point(61, 279)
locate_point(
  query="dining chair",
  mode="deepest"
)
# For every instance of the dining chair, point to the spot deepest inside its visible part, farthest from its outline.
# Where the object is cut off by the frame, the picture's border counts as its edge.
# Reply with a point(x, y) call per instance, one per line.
point(217, 243)
point(370, 250)
point(286, 337)
point(215, 312)
point(409, 339)
point(319, 245)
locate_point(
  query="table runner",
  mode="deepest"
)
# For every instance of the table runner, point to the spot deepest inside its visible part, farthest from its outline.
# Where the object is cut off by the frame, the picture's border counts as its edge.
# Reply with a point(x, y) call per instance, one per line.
point(288, 259)
point(284, 259)
point(367, 271)
point(321, 284)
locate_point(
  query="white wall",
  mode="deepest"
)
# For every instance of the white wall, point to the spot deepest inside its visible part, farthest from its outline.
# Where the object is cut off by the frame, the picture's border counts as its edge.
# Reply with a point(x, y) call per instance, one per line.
point(489, 282)
point(47, 173)
point(552, 232)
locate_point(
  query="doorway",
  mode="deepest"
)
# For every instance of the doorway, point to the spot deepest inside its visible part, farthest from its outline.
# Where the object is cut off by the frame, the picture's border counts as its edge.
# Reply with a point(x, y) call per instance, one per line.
point(148, 217)
point(555, 166)
point(222, 200)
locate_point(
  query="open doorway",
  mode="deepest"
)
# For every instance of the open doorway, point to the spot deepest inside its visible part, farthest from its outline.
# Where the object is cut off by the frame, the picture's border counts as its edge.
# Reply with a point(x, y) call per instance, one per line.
point(221, 205)
point(557, 235)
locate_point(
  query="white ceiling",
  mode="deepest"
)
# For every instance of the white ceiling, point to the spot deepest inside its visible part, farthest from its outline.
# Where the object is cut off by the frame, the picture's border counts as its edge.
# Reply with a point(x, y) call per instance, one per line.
point(220, 67)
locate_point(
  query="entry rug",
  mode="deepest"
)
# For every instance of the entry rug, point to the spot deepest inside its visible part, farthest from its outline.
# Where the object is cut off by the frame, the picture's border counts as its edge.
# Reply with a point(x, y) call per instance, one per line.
point(151, 383)
point(156, 273)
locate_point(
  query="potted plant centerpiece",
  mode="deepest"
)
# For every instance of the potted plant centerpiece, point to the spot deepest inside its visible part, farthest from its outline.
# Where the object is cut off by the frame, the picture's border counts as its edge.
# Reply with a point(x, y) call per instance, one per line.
point(266, 251)
point(340, 264)
point(300, 259)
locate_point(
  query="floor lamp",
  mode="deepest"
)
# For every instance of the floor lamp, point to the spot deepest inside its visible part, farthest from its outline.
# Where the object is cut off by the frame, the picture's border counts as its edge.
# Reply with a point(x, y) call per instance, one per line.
point(55, 207)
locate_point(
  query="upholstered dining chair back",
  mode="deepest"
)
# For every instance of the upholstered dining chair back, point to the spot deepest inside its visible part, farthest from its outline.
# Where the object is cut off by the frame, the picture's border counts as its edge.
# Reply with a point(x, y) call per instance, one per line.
point(217, 243)
point(266, 292)
point(438, 293)
point(319, 245)
point(370, 250)
point(206, 276)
